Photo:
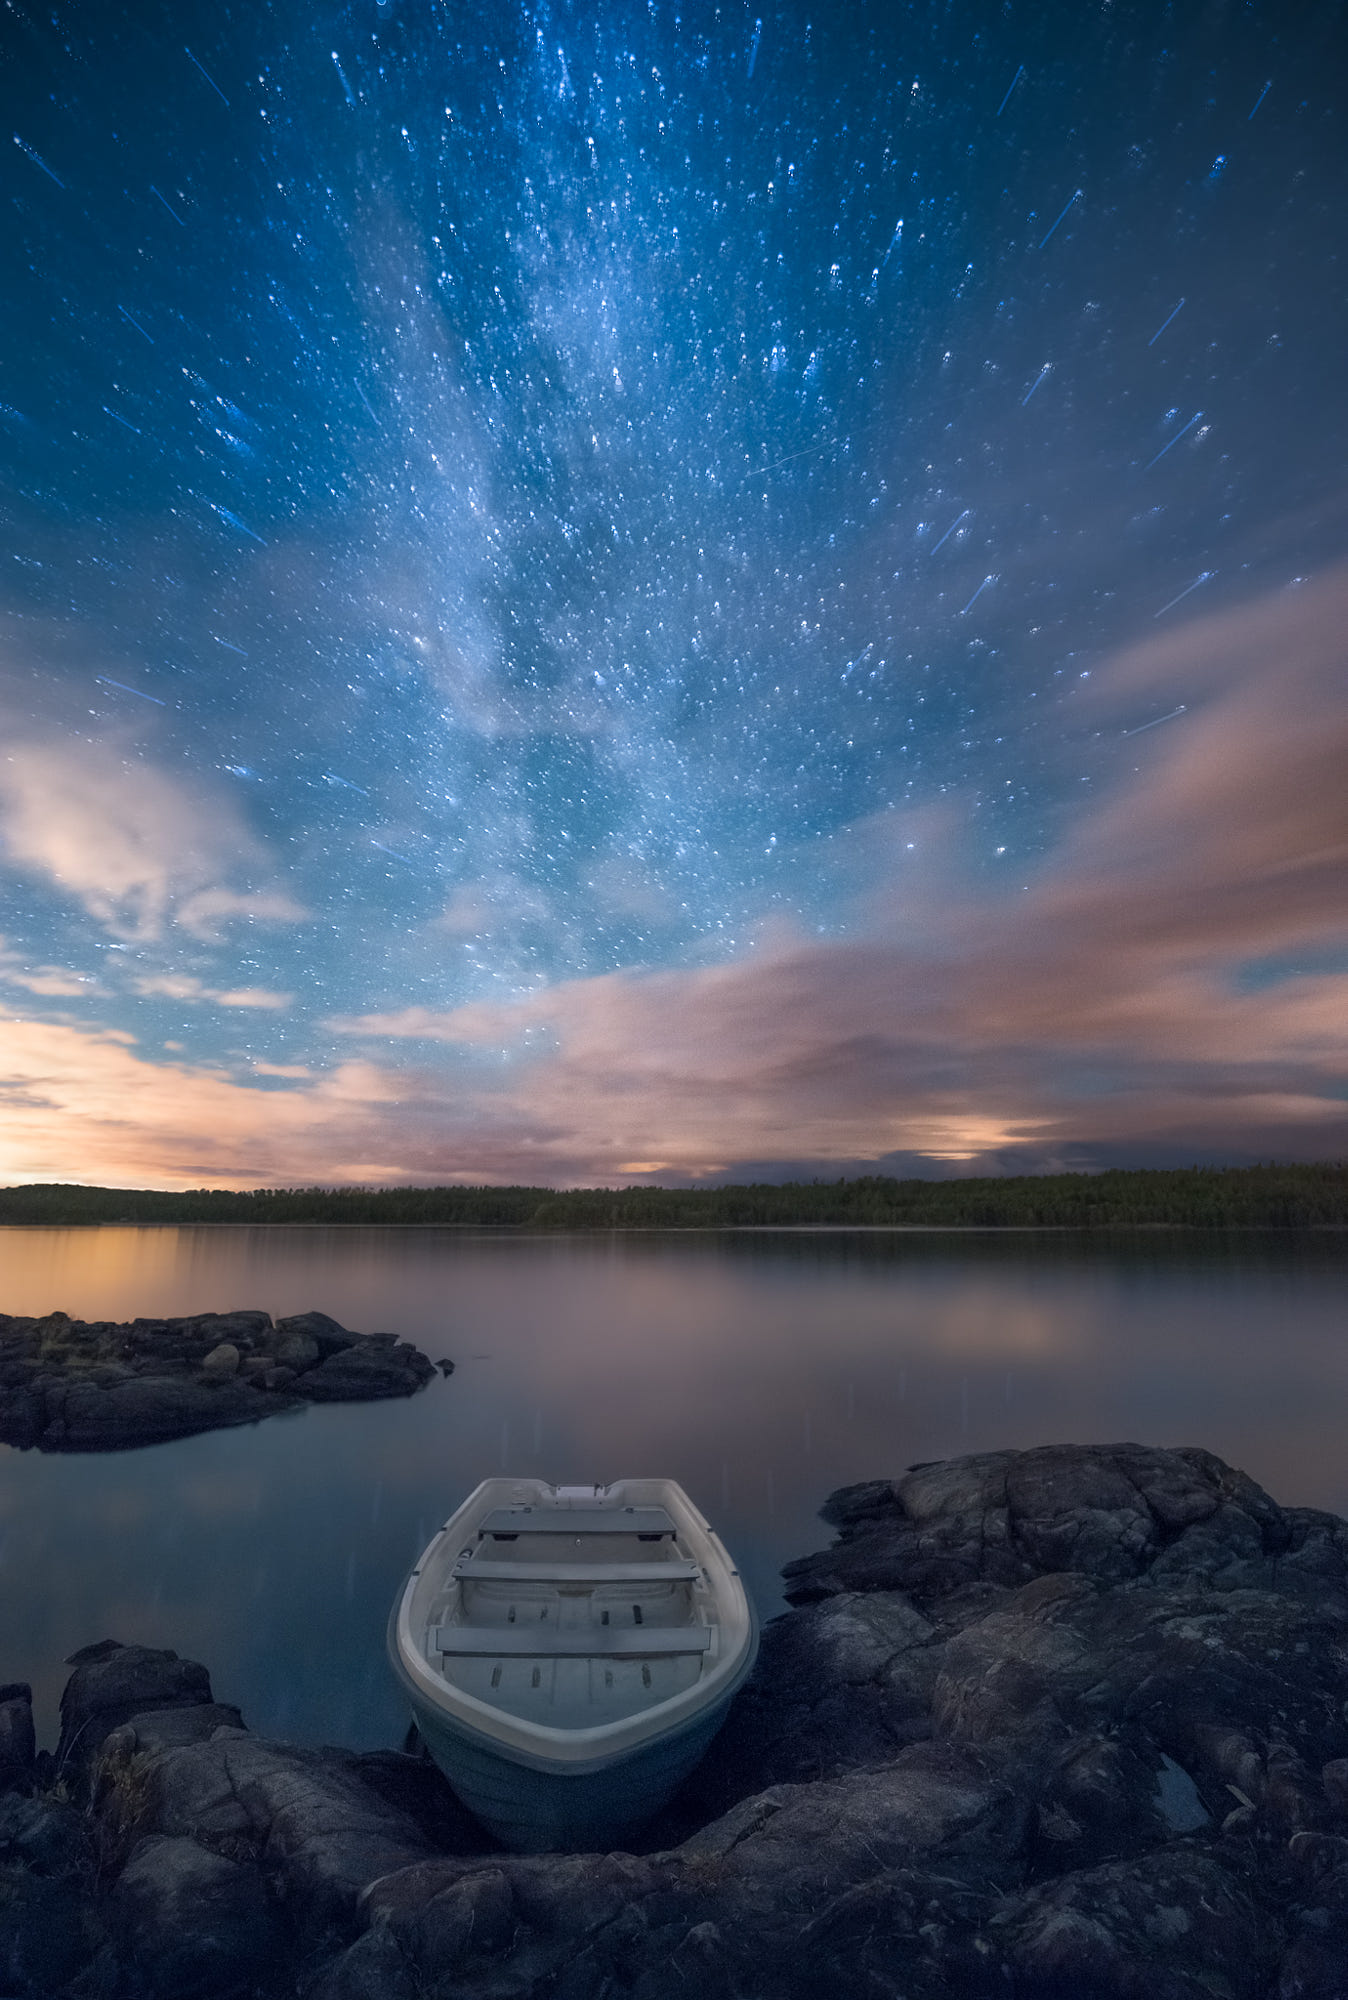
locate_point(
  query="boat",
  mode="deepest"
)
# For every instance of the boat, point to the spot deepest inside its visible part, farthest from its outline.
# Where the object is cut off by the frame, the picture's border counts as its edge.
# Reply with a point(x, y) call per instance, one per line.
point(569, 1652)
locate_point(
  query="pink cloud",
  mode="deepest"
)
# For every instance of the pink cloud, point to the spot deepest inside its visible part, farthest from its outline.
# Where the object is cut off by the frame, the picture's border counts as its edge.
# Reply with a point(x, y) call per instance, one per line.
point(1110, 1003)
point(1140, 995)
point(130, 843)
point(184, 986)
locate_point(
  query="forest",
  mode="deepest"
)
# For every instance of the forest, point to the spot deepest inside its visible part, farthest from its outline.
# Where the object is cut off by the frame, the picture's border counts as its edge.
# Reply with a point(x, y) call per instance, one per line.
point(1260, 1197)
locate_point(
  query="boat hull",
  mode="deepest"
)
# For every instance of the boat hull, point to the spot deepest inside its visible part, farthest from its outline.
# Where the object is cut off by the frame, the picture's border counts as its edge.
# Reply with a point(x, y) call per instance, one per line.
point(534, 1810)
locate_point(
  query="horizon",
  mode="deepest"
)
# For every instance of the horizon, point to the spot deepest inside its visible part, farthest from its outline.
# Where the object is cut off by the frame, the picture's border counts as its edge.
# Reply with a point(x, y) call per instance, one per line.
point(951, 1181)
point(667, 595)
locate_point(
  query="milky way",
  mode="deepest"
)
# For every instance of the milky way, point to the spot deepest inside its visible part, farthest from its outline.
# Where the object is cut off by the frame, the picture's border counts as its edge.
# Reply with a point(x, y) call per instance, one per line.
point(517, 505)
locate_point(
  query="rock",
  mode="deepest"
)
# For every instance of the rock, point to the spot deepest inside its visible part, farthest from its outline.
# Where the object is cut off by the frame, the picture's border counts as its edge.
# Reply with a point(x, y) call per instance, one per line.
point(23, 1416)
point(18, 1746)
point(169, 1728)
point(375, 1967)
point(194, 1924)
point(1334, 1778)
point(320, 1833)
point(840, 1685)
point(297, 1352)
point(372, 1368)
point(206, 1330)
point(143, 1410)
point(45, 1835)
point(328, 1335)
point(1112, 1513)
point(77, 1385)
point(50, 1932)
point(415, 1788)
point(1174, 1925)
point(1095, 1744)
point(111, 1684)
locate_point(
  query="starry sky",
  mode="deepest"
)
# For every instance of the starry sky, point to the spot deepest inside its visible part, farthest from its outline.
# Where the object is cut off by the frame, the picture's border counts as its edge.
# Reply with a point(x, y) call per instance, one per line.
point(618, 591)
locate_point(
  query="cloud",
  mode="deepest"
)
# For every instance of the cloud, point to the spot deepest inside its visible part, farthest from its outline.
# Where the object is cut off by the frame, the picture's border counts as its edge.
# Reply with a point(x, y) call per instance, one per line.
point(1131, 997)
point(183, 986)
point(83, 1105)
point(1173, 984)
point(51, 981)
point(137, 848)
point(79, 1104)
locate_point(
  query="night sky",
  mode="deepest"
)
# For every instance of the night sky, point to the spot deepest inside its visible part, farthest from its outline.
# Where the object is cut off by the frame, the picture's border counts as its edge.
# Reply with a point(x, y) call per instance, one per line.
point(619, 591)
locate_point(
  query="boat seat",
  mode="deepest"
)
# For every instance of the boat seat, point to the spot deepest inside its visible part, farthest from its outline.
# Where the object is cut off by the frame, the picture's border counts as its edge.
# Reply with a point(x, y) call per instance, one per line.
point(543, 1641)
point(474, 1569)
point(652, 1521)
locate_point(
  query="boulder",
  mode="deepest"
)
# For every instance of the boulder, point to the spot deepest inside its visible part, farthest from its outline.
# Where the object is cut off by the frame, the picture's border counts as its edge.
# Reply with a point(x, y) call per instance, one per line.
point(111, 1684)
point(297, 1351)
point(169, 1728)
point(45, 1835)
point(1175, 1925)
point(207, 1330)
point(221, 1362)
point(318, 1831)
point(328, 1335)
point(1113, 1513)
point(193, 1925)
point(18, 1746)
point(50, 1933)
point(371, 1369)
point(146, 1409)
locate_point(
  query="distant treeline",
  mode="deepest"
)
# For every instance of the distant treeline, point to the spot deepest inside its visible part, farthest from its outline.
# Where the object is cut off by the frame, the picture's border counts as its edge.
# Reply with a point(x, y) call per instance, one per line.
point(1293, 1197)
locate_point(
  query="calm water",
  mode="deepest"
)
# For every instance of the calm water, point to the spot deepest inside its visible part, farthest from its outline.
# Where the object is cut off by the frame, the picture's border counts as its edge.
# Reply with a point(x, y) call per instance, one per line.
point(761, 1370)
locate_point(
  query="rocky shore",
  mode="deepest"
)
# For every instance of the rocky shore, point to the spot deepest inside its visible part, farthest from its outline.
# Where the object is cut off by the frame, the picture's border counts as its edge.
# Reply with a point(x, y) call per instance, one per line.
point(1041, 1725)
point(102, 1385)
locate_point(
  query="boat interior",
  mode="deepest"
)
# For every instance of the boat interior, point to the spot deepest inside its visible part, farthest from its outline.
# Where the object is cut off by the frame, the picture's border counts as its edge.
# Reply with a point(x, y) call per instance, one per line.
point(572, 1619)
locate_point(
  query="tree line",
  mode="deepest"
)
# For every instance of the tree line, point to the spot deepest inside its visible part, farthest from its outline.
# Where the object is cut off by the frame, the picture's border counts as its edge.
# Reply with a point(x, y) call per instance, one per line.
point(1261, 1197)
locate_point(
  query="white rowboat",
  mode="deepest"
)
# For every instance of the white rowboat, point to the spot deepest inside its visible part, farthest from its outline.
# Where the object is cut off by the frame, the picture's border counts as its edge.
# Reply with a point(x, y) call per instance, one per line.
point(569, 1652)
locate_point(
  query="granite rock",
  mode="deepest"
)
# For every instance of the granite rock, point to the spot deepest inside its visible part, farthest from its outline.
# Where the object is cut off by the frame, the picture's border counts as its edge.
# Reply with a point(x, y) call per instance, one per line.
point(76, 1385)
point(193, 1924)
point(1045, 1724)
point(18, 1745)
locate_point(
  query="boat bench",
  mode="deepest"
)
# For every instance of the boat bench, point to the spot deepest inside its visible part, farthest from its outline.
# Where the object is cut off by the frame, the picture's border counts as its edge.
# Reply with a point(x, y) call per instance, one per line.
point(545, 1641)
point(574, 1521)
point(473, 1569)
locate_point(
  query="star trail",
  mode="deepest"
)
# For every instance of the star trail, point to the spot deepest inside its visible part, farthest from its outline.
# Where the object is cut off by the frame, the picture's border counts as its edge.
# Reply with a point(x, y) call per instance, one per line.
point(579, 584)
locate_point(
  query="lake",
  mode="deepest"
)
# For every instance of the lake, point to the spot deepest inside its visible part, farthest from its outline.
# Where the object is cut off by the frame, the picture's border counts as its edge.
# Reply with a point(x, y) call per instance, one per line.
point(760, 1369)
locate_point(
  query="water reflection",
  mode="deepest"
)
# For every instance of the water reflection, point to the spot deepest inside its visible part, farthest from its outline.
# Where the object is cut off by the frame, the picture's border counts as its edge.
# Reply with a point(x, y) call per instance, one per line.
point(761, 1370)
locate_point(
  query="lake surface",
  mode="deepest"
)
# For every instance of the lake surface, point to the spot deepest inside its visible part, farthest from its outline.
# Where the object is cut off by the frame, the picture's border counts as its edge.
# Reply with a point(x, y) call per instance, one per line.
point(760, 1369)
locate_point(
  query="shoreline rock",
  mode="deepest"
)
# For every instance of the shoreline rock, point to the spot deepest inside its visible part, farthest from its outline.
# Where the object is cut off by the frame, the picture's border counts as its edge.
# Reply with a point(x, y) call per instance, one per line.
point(103, 1385)
point(1040, 1724)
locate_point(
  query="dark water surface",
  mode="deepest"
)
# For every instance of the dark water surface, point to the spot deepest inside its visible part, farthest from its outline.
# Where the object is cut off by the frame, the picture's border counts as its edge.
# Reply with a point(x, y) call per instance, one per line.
point(759, 1369)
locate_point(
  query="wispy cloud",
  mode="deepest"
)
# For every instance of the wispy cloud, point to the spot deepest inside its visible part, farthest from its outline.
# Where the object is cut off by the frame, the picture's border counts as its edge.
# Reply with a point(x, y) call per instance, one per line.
point(138, 849)
point(49, 981)
point(184, 986)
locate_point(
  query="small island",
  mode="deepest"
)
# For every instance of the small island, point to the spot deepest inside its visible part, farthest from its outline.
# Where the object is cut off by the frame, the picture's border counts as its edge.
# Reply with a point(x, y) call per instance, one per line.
point(104, 1385)
point(1040, 1725)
